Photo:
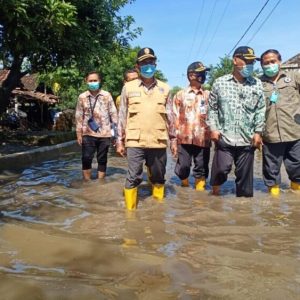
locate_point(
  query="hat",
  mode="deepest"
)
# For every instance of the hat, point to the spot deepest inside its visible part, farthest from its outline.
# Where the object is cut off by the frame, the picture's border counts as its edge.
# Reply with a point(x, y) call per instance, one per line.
point(197, 66)
point(245, 52)
point(145, 53)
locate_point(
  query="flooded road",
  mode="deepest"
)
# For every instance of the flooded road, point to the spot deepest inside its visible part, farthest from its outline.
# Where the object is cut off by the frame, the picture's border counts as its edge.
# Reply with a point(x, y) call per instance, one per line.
point(61, 238)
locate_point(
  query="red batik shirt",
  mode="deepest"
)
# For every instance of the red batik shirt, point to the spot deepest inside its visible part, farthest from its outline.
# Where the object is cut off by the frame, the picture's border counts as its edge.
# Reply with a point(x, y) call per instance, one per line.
point(190, 114)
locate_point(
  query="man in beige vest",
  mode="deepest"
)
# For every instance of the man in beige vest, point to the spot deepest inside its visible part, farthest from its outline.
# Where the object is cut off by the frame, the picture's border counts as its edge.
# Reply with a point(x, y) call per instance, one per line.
point(145, 124)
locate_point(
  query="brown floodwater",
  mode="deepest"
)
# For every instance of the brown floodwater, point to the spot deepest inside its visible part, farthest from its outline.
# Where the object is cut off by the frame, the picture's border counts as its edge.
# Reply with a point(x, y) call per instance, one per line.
point(64, 239)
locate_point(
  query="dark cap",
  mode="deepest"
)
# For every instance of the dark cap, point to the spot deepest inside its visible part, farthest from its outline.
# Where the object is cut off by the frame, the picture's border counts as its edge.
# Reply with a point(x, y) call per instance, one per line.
point(145, 53)
point(197, 66)
point(245, 52)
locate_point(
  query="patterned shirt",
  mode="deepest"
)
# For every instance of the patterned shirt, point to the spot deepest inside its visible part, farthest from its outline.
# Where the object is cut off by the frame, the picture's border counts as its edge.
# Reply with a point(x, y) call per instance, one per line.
point(123, 113)
point(105, 114)
point(190, 113)
point(236, 110)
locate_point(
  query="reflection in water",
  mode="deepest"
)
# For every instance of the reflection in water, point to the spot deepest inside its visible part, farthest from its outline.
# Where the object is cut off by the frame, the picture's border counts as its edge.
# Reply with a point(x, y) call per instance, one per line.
point(61, 238)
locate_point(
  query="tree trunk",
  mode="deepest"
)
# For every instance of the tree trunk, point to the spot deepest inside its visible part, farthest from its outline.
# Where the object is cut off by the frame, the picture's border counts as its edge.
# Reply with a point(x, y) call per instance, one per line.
point(10, 83)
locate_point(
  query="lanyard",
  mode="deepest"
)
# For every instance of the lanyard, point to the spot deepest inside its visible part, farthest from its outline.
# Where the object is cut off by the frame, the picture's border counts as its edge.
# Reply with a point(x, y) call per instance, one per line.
point(93, 108)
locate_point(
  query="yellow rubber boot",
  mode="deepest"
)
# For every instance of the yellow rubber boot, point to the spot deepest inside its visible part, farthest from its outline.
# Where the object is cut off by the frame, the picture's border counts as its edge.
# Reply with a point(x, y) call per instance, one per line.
point(216, 190)
point(185, 182)
point(295, 186)
point(274, 190)
point(131, 198)
point(200, 184)
point(158, 191)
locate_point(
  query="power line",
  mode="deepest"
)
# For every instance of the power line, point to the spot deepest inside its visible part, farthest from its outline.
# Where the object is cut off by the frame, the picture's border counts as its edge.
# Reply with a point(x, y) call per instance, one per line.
point(249, 27)
point(207, 26)
point(217, 28)
point(263, 23)
point(196, 30)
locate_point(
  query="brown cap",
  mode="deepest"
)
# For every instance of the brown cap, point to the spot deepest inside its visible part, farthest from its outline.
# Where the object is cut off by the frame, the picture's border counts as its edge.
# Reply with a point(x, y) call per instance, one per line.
point(245, 52)
point(197, 66)
point(145, 53)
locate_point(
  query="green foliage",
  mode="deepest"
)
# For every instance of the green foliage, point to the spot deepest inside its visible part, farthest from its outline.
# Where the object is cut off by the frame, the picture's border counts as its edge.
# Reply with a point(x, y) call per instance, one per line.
point(159, 75)
point(55, 33)
point(174, 90)
point(114, 66)
point(67, 83)
point(28, 27)
point(71, 80)
point(225, 66)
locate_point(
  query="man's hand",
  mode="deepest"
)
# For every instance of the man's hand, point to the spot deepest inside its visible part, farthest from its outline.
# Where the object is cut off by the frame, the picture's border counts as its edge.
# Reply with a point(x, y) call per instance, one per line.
point(257, 141)
point(79, 140)
point(121, 150)
point(215, 135)
point(173, 148)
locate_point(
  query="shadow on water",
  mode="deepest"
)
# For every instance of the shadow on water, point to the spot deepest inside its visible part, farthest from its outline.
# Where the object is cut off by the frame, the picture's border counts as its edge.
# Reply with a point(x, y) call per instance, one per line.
point(61, 238)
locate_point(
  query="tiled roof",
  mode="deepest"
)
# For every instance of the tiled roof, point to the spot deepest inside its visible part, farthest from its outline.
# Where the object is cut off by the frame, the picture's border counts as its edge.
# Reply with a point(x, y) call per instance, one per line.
point(294, 60)
point(29, 84)
point(30, 95)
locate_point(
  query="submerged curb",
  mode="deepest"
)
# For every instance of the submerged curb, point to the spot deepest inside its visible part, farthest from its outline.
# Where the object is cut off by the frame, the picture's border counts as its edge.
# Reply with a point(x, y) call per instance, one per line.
point(20, 160)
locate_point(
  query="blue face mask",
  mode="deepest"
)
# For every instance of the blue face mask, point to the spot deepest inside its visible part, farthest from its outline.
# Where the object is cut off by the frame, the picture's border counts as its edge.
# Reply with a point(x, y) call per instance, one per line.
point(247, 70)
point(93, 86)
point(271, 70)
point(147, 71)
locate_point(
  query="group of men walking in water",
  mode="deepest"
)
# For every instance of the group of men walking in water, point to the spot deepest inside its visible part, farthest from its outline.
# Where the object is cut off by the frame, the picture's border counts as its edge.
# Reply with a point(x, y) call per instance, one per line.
point(240, 114)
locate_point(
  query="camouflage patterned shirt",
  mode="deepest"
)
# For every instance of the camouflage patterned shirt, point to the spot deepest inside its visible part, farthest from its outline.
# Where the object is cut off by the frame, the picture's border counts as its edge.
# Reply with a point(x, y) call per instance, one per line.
point(236, 110)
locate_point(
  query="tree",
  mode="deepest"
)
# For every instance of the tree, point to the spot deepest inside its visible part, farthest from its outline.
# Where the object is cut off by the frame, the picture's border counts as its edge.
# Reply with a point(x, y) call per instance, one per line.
point(71, 80)
point(225, 66)
point(174, 90)
point(53, 33)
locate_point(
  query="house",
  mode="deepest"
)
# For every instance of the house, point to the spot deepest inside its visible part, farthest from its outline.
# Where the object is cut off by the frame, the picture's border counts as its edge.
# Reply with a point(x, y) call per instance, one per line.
point(30, 97)
point(292, 63)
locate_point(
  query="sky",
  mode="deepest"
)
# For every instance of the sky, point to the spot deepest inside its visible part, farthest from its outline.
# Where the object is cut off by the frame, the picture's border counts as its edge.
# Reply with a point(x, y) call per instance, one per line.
point(183, 31)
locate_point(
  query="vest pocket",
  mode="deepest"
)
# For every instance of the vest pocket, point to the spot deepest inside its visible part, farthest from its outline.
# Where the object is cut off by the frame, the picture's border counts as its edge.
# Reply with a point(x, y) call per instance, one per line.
point(161, 108)
point(133, 109)
point(133, 134)
point(161, 134)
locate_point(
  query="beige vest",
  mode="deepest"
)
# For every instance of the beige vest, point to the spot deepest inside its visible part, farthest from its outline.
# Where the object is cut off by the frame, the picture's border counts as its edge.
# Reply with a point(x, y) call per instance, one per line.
point(146, 119)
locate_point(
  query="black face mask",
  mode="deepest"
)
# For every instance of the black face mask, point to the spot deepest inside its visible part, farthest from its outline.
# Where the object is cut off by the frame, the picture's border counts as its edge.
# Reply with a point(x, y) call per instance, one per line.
point(201, 76)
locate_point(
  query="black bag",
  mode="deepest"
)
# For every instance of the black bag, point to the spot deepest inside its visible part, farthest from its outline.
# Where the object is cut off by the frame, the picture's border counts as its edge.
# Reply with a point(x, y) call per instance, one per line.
point(91, 122)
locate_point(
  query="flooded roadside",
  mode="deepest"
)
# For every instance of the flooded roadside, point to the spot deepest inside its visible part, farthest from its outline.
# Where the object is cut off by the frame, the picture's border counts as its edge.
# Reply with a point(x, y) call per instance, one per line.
point(64, 239)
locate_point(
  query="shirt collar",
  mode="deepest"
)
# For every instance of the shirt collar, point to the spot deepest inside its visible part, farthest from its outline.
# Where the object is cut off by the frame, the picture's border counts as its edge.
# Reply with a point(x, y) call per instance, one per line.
point(98, 94)
point(191, 90)
point(152, 85)
point(249, 80)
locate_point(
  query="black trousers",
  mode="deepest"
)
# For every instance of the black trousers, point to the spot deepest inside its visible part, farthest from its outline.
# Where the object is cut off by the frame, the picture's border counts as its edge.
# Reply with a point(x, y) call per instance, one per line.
point(154, 158)
point(200, 157)
point(273, 156)
point(90, 145)
point(243, 158)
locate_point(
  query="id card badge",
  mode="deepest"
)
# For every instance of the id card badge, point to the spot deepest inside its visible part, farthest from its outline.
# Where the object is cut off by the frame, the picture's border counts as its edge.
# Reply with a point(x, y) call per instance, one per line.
point(203, 110)
point(274, 97)
point(202, 107)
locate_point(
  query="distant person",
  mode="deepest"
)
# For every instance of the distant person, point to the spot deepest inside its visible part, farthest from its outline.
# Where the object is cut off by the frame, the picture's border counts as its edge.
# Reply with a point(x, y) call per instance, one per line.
point(144, 118)
point(282, 131)
point(193, 135)
point(129, 75)
point(95, 115)
point(236, 116)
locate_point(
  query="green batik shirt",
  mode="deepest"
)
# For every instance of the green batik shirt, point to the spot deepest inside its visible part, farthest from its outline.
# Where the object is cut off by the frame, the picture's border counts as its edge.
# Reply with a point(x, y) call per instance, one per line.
point(236, 110)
